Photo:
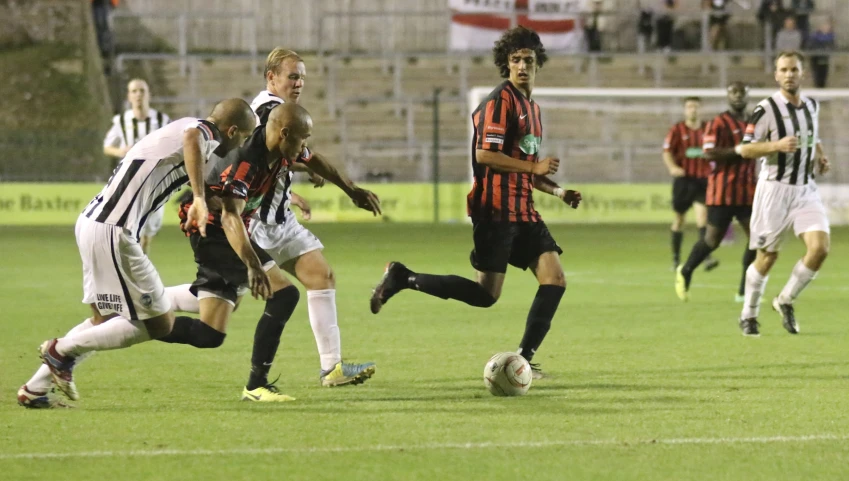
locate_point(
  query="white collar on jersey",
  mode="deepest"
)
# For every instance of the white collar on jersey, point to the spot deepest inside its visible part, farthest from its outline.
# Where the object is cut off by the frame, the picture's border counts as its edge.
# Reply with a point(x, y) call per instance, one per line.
point(786, 101)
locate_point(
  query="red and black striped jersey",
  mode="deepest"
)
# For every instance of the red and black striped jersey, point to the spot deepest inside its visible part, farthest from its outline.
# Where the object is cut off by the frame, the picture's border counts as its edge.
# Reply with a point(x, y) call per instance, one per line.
point(730, 183)
point(685, 146)
point(510, 123)
point(249, 178)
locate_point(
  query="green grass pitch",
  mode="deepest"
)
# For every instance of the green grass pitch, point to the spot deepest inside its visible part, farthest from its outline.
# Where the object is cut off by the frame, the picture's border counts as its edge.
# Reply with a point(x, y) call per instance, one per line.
point(643, 387)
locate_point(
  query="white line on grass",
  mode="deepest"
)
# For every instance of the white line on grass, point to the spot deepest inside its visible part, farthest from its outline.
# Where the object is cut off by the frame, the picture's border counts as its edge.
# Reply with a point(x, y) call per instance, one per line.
point(425, 447)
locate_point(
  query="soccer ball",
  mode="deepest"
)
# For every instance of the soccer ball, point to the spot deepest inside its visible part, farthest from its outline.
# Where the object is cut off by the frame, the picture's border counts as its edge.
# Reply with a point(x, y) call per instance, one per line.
point(507, 374)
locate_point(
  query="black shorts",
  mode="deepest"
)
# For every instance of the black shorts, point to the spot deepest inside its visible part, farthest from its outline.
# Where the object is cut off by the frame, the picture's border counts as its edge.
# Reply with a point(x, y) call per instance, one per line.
point(718, 19)
point(686, 191)
point(220, 270)
point(720, 216)
point(516, 243)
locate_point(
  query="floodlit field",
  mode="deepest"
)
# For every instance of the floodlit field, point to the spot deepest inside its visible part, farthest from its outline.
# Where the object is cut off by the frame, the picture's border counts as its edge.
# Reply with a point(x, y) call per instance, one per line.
point(642, 387)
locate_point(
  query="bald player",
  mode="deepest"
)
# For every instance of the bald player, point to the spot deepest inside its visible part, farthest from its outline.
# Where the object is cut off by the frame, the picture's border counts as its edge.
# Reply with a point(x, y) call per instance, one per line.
point(230, 264)
point(127, 129)
point(127, 298)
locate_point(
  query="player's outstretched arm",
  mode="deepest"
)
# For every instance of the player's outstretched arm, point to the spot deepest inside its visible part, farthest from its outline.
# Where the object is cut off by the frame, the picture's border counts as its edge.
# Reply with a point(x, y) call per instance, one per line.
point(723, 155)
point(237, 236)
point(570, 197)
point(364, 199)
point(198, 213)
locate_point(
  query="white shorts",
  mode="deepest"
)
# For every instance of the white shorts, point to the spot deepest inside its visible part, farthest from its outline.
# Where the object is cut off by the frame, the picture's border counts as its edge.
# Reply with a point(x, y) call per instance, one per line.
point(117, 276)
point(286, 241)
point(153, 223)
point(778, 207)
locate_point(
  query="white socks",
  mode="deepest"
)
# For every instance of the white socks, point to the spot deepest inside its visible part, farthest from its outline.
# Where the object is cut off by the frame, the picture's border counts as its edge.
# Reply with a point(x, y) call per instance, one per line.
point(755, 287)
point(116, 333)
point(322, 311)
point(799, 279)
point(182, 298)
point(41, 381)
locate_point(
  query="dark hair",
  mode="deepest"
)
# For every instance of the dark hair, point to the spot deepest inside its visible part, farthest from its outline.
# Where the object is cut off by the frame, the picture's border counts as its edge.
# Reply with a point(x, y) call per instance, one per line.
point(692, 99)
point(517, 39)
point(791, 53)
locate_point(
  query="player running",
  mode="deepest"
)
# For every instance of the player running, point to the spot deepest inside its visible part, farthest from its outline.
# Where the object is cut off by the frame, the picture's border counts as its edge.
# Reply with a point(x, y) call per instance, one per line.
point(294, 248)
point(784, 135)
point(127, 129)
point(731, 187)
point(507, 227)
point(682, 155)
point(127, 298)
point(229, 263)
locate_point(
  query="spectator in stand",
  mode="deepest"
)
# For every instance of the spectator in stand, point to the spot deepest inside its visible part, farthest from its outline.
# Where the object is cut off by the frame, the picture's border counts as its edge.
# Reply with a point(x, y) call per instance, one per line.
point(718, 20)
point(821, 41)
point(789, 38)
point(100, 10)
point(594, 26)
point(666, 24)
point(802, 9)
point(771, 15)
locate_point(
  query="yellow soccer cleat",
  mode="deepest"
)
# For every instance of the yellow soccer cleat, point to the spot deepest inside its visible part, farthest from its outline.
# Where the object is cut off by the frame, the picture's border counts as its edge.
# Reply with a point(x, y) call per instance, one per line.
point(681, 285)
point(344, 373)
point(265, 394)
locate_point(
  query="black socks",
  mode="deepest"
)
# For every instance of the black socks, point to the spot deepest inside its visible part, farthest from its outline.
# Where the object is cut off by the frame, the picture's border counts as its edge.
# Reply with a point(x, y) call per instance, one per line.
point(278, 310)
point(452, 287)
point(677, 239)
point(539, 318)
point(748, 257)
point(700, 252)
point(195, 333)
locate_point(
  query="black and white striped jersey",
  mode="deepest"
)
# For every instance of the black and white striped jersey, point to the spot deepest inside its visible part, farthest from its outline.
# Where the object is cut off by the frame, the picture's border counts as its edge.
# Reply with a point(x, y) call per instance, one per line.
point(275, 205)
point(126, 129)
point(775, 118)
point(152, 170)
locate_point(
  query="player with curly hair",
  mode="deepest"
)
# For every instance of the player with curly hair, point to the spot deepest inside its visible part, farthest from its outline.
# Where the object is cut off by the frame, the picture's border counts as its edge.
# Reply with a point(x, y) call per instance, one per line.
point(507, 228)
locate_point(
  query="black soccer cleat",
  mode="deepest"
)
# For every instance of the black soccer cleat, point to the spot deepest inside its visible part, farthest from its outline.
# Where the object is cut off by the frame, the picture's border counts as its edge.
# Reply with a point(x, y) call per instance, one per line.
point(711, 264)
point(750, 327)
point(788, 316)
point(395, 279)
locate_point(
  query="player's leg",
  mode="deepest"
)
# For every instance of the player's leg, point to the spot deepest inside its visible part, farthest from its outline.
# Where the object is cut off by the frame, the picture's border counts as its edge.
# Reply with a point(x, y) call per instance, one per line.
point(493, 243)
point(535, 248)
point(768, 222)
point(810, 223)
point(120, 280)
point(719, 217)
point(36, 392)
point(314, 272)
point(700, 212)
point(680, 205)
point(182, 298)
point(278, 309)
point(744, 218)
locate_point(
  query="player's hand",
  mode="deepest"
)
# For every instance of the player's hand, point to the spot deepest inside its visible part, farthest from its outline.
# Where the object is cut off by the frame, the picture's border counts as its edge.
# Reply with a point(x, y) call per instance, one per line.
point(198, 215)
point(546, 166)
point(317, 180)
point(302, 204)
point(788, 144)
point(259, 283)
point(823, 165)
point(677, 171)
point(366, 200)
point(572, 198)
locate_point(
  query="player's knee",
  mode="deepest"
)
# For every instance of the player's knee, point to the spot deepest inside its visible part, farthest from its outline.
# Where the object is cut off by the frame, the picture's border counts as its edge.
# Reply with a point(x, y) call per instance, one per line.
point(819, 252)
point(488, 300)
point(207, 338)
point(281, 305)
